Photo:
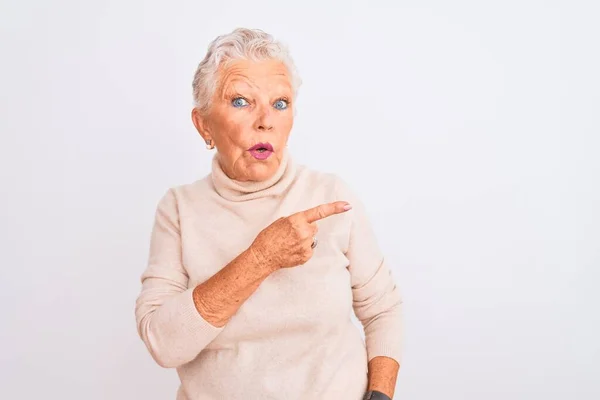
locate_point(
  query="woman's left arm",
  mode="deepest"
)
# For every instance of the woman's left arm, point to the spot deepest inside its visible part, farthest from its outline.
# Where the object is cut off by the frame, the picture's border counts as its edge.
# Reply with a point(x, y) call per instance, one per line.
point(377, 301)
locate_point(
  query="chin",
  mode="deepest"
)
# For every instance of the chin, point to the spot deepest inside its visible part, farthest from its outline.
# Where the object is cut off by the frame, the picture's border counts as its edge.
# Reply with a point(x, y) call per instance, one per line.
point(262, 171)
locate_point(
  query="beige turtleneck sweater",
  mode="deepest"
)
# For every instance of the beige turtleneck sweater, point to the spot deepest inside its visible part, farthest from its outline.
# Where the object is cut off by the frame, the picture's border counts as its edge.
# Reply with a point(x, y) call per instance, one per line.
point(293, 339)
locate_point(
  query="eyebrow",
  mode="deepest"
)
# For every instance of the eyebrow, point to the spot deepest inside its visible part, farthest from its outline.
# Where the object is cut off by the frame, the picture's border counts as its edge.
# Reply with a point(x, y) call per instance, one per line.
point(230, 86)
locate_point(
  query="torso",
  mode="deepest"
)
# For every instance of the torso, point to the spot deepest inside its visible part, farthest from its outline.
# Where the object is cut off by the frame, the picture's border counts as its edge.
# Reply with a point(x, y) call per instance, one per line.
point(294, 337)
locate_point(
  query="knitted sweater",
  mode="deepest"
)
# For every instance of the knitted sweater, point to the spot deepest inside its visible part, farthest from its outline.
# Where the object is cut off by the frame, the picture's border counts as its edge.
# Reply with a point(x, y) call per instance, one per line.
point(294, 338)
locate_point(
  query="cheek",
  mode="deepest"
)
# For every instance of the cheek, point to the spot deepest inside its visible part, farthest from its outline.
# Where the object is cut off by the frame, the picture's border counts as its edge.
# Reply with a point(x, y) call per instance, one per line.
point(285, 123)
point(233, 128)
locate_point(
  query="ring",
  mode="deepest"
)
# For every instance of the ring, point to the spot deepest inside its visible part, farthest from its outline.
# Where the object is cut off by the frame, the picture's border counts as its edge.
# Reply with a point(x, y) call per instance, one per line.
point(314, 243)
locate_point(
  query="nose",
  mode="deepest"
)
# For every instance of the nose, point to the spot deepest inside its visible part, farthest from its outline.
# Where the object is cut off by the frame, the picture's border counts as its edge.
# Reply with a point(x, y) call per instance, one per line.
point(264, 120)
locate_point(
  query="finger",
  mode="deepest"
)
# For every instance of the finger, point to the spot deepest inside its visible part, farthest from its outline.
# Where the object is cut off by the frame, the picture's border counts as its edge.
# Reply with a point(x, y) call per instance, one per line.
point(314, 229)
point(325, 210)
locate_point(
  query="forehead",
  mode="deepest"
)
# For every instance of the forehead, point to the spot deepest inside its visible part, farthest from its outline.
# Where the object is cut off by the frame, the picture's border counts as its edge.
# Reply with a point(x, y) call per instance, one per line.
point(262, 75)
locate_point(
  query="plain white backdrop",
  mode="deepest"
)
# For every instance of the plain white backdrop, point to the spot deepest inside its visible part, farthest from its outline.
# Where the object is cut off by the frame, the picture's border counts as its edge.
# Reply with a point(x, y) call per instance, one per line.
point(470, 129)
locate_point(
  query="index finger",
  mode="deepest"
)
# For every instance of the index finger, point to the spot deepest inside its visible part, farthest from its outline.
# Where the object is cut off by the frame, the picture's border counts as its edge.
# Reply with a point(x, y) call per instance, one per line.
point(325, 210)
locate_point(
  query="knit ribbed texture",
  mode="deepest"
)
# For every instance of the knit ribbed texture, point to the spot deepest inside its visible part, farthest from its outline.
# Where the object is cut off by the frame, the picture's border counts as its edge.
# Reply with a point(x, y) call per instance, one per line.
point(293, 338)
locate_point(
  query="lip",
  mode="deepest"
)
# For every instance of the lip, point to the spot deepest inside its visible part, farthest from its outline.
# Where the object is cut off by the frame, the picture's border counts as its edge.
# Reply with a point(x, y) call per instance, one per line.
point(266, 146)
point(261, 155)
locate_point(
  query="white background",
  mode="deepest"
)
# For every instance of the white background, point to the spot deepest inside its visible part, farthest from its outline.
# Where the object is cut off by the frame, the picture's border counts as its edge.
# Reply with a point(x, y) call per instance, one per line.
point(469, 128)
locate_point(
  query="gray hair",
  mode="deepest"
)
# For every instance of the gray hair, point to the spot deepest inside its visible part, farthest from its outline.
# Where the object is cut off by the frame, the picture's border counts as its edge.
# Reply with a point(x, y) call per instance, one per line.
point(242, 43)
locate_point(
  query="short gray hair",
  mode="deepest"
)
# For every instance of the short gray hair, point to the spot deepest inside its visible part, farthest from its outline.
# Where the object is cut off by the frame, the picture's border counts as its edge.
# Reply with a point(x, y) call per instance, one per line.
point(242, 43)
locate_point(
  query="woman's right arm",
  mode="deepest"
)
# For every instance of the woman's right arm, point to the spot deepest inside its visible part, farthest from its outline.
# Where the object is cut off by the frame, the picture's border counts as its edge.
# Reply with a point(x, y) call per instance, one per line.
point(177, 323)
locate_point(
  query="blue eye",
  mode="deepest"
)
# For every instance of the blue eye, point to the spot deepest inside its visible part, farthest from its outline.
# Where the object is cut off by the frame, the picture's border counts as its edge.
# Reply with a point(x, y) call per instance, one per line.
point(281, 104)
point(239, 102)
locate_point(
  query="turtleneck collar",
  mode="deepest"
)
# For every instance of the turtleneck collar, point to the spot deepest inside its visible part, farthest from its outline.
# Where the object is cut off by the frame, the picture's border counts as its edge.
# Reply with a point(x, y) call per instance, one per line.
point(233, 190)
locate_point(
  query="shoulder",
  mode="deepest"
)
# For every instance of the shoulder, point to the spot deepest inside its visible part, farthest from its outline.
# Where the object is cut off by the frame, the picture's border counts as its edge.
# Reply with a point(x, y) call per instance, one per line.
point(315, 180)
point(178, 197)
point(193, 190)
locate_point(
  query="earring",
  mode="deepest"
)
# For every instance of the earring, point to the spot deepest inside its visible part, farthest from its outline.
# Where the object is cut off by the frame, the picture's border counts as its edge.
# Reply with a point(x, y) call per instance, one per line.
point(209, 144)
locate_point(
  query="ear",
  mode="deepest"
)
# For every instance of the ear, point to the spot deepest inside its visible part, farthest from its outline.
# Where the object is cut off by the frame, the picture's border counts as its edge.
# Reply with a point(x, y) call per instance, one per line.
point(201, 125)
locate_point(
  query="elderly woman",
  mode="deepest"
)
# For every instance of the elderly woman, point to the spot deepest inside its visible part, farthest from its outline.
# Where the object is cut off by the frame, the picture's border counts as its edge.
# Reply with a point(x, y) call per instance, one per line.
point(256, 270)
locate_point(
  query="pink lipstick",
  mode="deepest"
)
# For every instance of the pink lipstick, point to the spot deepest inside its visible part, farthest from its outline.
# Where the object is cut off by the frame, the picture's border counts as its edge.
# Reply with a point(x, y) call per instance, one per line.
point(261, 151)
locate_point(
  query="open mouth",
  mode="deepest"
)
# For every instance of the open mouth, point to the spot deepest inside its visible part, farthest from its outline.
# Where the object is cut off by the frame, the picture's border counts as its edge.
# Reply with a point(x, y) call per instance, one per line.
point(261, 147)
point(261, 151)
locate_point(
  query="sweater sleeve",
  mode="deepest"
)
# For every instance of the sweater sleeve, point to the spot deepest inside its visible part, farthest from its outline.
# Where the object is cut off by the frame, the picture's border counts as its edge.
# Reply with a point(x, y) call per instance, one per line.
point(377, 300)
point(167, 319)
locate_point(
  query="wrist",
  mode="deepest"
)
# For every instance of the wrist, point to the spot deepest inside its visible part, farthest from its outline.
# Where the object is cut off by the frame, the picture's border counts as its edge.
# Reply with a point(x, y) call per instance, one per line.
point(376, 395)
point(260, 260)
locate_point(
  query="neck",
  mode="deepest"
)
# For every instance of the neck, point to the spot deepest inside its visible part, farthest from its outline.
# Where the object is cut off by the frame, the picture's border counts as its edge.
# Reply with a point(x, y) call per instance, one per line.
point(234, 190)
